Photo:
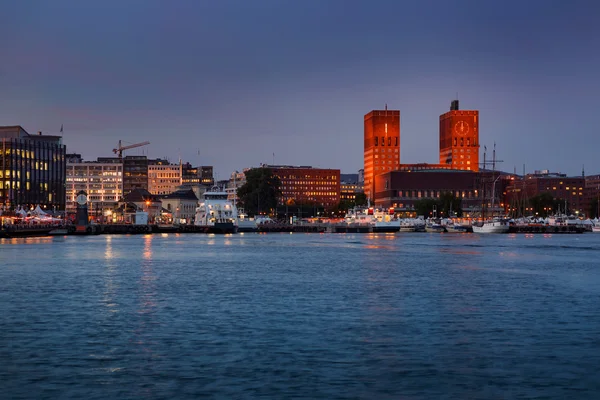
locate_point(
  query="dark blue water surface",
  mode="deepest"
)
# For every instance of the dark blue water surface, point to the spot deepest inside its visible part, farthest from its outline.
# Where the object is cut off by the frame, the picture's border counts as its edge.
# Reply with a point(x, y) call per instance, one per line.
point(403, 316)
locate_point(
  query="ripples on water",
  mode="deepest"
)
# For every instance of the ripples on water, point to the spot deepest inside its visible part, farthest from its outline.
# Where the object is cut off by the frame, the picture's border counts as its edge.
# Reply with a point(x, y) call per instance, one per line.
point(300, 316)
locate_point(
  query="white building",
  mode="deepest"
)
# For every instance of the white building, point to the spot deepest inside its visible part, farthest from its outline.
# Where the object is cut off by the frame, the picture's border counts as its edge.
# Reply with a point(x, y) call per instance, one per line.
point(102, 180)
point(182, 205)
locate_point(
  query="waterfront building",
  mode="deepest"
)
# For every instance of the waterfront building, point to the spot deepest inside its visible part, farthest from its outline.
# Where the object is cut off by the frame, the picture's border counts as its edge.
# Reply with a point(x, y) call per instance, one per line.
point(402, 189)
point(381, 145)
point(138, 200)
point(102, 180)
point(459, 138)
point(308, 185)
point(163, 177)
point(32, 170)
point(135, 173)
point(202, 175)
point(560, 186)
point(182, 205)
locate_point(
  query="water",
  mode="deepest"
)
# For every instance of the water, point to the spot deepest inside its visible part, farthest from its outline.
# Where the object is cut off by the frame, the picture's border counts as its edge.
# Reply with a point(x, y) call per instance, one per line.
point(300, 316)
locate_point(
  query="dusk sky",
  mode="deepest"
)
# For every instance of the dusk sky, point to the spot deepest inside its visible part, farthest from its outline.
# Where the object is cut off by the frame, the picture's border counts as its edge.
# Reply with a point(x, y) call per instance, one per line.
point(230, 82)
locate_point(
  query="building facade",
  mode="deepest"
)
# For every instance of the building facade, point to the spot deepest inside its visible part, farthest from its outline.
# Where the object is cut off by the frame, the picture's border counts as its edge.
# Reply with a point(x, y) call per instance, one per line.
point(308, 185)
point(571, 190)
point(402, 189)
point(102, 180)
point(202, 175)
point(182, 205)
point(32, 170)
point(135, 173)
point(381, 146)
point(459, 138)
point(163, 177)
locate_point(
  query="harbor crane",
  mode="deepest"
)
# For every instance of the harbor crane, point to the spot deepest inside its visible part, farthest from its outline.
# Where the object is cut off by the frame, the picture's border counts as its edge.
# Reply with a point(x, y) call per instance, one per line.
point(120, 148)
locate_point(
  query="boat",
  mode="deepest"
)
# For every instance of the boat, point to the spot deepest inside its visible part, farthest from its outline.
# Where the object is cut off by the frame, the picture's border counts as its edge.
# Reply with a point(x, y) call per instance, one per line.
point(406, 226)
point(434, 228)
point(495, 225)
point(377, 220)
point(215, 213)
point(455, 228)
point(244, 223)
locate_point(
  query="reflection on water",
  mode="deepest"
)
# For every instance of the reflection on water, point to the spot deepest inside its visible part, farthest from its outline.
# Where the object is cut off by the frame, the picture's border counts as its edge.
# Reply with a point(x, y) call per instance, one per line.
point(300, 316)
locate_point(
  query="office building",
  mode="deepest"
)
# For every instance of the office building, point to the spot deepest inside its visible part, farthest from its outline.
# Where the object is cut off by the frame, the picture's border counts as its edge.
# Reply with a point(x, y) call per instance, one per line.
point(135, 173)
point(308, 185)
point(163, 177)
point(102, 180)
point(32, 170)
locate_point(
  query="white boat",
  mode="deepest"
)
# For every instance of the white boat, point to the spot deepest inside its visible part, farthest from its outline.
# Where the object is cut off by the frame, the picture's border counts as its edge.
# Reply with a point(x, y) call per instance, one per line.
point(244, 223)
point(434, 228)
point(379, 220)
point(215, 213)
point(496, 225)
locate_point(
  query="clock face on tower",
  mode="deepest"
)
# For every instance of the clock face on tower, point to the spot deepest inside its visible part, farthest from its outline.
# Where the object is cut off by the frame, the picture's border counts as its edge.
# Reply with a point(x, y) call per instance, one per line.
point(81, 199)
point(461, 128)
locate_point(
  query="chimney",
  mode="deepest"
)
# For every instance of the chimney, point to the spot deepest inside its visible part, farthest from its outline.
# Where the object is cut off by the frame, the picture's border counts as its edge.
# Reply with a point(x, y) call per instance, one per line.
point(454, 105)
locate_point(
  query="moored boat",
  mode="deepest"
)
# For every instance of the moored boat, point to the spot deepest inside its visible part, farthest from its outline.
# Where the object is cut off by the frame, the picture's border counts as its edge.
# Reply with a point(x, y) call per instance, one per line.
point(496, 225)
point(215, 213)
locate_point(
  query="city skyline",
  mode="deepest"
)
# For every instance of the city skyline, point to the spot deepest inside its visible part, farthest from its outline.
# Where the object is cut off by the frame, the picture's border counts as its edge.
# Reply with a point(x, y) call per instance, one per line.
point(236, 82)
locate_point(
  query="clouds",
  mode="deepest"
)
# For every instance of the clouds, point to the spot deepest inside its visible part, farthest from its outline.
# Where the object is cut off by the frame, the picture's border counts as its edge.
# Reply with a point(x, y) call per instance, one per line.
point(246, 79)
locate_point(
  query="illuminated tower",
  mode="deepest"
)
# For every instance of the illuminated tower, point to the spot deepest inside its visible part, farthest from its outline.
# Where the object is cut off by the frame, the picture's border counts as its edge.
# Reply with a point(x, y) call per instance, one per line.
point(381, 147)
point(459, 138)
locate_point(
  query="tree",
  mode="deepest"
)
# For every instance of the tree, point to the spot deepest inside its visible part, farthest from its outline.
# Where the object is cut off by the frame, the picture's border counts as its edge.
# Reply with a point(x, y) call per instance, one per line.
point(544, 204)
point(360, 199)
point(425, 207)
point(594, 209)
point(261, 191)
point(449, 204)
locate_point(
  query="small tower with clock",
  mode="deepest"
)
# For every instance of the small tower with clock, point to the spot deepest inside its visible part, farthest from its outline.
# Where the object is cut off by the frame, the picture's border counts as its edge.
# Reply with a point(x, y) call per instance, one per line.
point(82, 211)
point(459, 138)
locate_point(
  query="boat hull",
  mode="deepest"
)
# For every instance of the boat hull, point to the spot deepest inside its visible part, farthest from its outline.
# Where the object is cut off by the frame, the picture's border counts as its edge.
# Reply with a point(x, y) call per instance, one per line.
point(386, 228)
point(491, 229)
point(219, 228)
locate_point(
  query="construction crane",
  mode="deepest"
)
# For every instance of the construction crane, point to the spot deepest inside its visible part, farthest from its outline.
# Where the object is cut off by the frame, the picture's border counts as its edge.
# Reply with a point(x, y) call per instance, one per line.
point(119, 149)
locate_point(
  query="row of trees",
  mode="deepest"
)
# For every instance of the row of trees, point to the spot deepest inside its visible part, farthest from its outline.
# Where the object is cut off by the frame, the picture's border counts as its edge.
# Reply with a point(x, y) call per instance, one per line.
point(262, 191)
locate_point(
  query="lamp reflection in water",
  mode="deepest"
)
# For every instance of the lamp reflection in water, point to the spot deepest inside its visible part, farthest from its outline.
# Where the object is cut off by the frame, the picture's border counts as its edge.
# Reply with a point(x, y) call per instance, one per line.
point(147, 323)
point(109, 282)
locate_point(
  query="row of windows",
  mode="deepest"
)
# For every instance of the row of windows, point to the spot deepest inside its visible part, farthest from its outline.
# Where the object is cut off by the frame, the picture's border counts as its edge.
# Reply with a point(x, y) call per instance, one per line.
point(389, 141)
point(294, 177)
point(462, 142)
point(437, 193)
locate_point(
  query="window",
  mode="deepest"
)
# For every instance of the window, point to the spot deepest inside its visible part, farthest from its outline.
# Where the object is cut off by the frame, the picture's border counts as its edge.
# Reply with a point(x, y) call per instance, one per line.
point(389, 141)
point(455, 140)
point(376, 141)
point(396, 141)
point(382, 141)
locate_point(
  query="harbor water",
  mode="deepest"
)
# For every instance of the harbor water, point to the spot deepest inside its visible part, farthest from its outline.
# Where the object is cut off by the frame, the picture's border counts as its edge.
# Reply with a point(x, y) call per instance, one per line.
point(313, 316)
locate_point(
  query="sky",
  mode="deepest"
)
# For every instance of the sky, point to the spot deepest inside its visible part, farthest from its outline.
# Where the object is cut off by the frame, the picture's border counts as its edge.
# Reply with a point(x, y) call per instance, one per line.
point(237, 83)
